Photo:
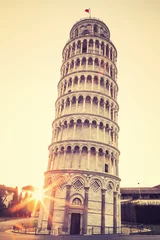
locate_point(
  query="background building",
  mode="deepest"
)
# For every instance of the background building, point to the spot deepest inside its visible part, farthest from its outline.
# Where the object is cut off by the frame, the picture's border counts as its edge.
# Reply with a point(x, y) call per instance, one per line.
point(141, 205)
point(82, 178)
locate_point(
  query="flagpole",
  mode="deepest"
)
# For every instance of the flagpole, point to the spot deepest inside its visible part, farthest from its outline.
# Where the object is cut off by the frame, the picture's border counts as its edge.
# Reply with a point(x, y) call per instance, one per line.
point(89, 13)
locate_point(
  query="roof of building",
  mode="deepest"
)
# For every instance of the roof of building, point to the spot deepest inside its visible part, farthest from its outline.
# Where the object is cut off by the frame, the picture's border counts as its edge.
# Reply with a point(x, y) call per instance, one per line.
point(142, 190)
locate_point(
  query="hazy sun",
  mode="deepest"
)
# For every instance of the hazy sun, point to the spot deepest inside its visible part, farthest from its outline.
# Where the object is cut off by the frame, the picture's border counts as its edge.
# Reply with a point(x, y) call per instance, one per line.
point(38, 194)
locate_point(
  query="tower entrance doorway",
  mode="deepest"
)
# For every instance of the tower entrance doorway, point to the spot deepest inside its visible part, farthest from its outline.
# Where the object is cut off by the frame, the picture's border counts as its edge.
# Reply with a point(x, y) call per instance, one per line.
point(75, 224)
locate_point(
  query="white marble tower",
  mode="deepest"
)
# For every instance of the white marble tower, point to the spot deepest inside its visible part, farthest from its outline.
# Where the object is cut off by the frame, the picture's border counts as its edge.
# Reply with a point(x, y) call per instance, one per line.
point(82, 178)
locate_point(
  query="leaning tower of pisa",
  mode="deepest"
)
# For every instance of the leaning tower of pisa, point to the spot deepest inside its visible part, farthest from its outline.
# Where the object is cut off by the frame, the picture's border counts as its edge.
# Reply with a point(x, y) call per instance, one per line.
point(82, 180)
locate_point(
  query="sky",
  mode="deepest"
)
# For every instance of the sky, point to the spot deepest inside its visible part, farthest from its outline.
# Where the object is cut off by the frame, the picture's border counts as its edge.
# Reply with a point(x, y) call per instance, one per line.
point(33, 34)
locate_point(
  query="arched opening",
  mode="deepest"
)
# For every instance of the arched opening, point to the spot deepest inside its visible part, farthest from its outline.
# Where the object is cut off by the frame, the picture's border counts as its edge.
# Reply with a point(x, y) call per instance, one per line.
point(72, 64)
point(83, 61)
point(95, 100)
point(102, 64)
point(76, 201)
point(86, 123)
point(102, 48)
point(76, 80)
point(96, 62)
point(107, 50)
point(77, 62)
point(95, 28)
point(84, 149)
point(111, 57)
point(85, 32)
point(100, 152)
point(89, 79)
point(69, 149)
point(74, 100)
point(94, 124)
point(71, 123)
point(93, 151)
point(82, 79)
point(102, 81)
point(80, 99)
point(67, 102)
point(76, 32)
point(96, 80)
point(79, 46)
point(91, 43)
point(84, 47)
point(90, 61)
point(97, 44)
point(73, 48)
point(76, 149)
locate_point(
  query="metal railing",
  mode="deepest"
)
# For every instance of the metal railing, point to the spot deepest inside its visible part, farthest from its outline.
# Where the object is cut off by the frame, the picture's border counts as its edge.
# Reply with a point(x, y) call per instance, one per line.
point(132, 229)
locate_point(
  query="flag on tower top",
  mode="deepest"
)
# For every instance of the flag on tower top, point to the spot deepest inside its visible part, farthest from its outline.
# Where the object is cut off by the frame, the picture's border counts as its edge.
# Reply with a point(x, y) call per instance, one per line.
point(87, 10)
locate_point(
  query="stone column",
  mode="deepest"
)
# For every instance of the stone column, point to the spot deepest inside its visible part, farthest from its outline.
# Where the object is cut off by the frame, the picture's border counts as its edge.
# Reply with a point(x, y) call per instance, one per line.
point(119, 211)
point(90, 127)
point(80, 152)
point(109, 93)
point(74, 130)
point(61, 133)
point(78, 84)
point(92, 83)
point(64, 157)
point(85, 82)
point(97, 131)
point(104, 133)
point(51, 209)
point(98, 103)
point(110, 165)
point(70, 105)
point(115, 212)
point(96, 160)
point(71, 158)
point(84, 104)
point(85, 212)
point(91, 104)
point(89, 154)
point(103, 212)
point(66, 213)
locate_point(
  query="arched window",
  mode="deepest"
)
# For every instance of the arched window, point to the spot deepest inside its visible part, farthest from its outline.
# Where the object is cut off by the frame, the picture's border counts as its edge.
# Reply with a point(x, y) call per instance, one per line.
point(77, 62)
point(97, 44)
point(95, 28)
point(84, 149)
point(76, 201)
point(86, 123)
point(79, 45)
point(69, 149)
point(91, 43)
point(107, 50)
point(85, 32)
point(76, 32)
point(111, 54)
point(82, 79)
point(84, 47)
point(88, 99)
point(89, 79)
point(102, 48)
point(93, 150)
point(76, 80)
point(96, 62)
point(90, 61)
point(102, 64)
point(80, 99)
point(83, 61)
